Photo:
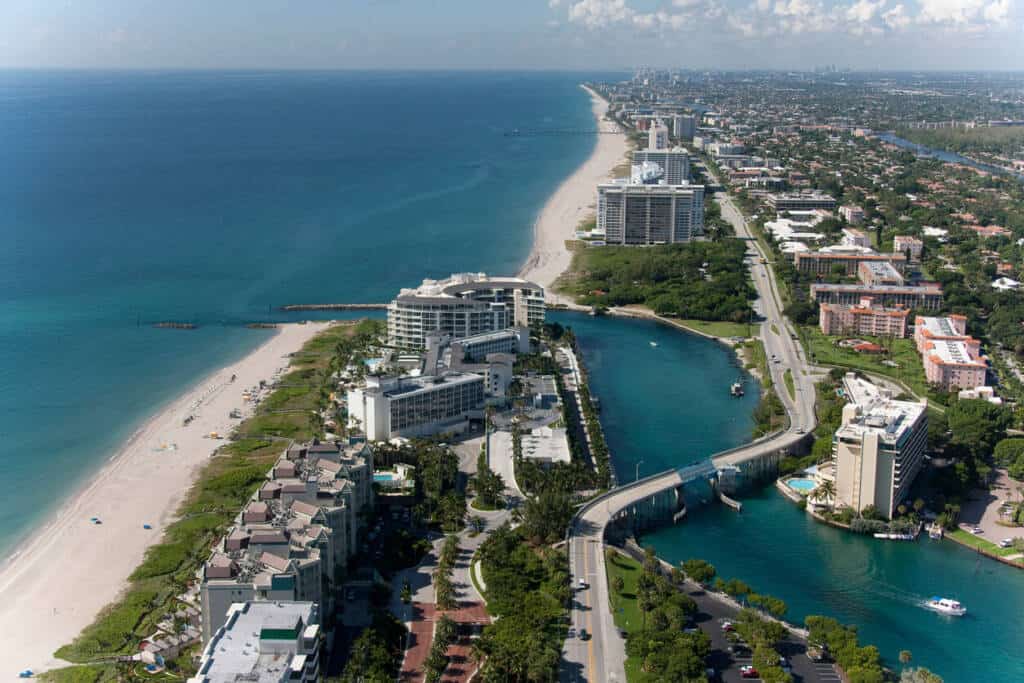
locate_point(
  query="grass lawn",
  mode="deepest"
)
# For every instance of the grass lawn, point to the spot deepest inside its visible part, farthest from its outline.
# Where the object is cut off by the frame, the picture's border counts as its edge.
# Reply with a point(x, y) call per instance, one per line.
point(910, 372)
point(973, 541)
point(719, 328)
point(790, 387)
point(625, 607)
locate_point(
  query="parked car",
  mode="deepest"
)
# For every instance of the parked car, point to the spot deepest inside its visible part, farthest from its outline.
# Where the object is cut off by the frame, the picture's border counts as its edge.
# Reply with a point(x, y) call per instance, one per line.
point(584, 635)
point(728, 626)
point(1006, 543)
point(748, 672)
point(582, 583)
point(977, 530)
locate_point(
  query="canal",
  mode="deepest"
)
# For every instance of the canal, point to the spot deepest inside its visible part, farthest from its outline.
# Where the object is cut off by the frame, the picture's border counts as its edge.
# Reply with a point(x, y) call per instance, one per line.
point(943, 155)
point(668, 405)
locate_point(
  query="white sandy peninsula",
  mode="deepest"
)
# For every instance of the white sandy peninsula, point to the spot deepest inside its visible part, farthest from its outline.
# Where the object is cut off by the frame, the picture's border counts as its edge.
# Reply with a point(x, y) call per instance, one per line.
point(70, 569)
point(572, 202)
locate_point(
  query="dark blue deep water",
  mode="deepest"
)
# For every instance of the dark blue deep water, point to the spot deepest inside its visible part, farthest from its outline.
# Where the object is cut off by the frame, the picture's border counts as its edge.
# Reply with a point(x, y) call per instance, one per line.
point(215, 197)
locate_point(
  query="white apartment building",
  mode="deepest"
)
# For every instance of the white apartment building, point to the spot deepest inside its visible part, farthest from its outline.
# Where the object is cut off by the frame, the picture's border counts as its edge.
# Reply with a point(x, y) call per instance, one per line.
point(416, 406)
point(650, 214)
point(293, 540)
point(463, 305)
point(879, 448)
point(674, 163)
point(657, 135)
point(264, 642)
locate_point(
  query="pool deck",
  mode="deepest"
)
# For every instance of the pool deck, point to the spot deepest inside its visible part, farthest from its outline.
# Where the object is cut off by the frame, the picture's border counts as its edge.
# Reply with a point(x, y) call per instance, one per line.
point(788, 492)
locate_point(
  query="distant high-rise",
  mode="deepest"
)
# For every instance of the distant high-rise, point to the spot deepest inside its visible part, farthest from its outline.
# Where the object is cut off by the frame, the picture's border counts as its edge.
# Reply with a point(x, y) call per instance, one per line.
point(684, 127)
point(674, 163)
point(650, 214)
point(657, 135)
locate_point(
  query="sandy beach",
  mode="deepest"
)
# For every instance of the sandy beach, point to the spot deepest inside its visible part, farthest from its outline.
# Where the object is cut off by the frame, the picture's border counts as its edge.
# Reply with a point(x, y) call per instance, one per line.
point(573, 201)
point(70, 569)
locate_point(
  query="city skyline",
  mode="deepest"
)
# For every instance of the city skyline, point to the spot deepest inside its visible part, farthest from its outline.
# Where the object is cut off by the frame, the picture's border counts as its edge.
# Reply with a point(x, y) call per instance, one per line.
point(539, 34)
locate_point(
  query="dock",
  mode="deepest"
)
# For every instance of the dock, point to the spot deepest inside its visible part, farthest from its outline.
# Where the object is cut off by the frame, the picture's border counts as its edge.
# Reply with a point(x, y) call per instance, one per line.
point(334, 307)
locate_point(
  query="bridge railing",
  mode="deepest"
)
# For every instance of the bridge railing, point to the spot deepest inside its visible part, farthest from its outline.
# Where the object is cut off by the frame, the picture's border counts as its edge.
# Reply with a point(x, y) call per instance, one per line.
point(604, 497)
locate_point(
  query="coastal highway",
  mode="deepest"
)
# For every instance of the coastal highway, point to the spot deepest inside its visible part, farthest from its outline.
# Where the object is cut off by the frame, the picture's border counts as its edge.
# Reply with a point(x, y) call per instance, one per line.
point(600, 657)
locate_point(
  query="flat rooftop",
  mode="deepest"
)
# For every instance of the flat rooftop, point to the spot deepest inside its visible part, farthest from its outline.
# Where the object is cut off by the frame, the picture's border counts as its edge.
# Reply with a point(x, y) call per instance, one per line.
point(932, 288)
point(547, 444)
point(252, 646)
point(401, 386)
point(938, 327)
point(877, 412)
point(951, 352)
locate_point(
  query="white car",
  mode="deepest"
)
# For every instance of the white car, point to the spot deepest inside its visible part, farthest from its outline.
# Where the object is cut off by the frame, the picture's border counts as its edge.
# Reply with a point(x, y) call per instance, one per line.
point(1006, 543)
point(582, 584)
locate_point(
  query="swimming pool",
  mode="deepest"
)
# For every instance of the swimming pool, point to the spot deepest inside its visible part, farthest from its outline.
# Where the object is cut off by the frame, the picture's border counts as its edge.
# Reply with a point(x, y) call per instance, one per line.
point(385, 476)
point(801, 485)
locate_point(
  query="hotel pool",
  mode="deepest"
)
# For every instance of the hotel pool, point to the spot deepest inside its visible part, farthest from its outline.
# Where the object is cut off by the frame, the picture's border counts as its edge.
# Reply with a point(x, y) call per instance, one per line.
point(801, 485)
point(385, 476)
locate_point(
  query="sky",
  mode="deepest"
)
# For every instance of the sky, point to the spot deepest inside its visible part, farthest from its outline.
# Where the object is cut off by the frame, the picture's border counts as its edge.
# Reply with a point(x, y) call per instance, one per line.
point(502, 34)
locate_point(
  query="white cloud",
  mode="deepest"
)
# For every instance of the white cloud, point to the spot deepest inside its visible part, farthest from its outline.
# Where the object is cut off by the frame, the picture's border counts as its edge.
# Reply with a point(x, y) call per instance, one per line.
point(964, 12)
point(863, 11)
point(599, 13)
point(997, 12)
point(792, 17)
point(896, 18)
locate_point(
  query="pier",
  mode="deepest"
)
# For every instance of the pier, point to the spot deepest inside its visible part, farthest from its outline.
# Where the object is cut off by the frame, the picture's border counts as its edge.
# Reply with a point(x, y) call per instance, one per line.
point(334, 307)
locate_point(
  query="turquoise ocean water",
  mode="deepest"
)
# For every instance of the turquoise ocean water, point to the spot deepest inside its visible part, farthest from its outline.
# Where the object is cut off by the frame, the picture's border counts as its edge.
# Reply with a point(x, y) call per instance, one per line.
point(668, 406)
point(130, 197)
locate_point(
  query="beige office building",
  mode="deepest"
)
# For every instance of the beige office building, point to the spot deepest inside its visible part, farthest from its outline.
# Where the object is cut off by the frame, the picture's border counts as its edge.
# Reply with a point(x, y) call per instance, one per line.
point(879, 448)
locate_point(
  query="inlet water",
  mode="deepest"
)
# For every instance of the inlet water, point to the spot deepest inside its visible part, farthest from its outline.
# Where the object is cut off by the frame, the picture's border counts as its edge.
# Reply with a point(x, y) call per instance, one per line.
point(667, 406)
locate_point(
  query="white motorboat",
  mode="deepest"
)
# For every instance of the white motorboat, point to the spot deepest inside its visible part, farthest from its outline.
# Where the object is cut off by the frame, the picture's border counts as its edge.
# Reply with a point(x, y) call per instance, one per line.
point(653, 343)
point(946, 606)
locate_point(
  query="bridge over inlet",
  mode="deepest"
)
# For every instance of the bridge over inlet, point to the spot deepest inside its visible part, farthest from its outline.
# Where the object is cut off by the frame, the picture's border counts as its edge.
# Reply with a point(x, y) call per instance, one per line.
point(661, 498)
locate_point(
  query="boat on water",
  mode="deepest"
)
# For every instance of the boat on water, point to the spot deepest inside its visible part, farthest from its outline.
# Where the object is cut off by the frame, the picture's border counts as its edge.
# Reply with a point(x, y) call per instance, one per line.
point(895, 537)
point(653, 343)
point(736, 389)
point(946, 606)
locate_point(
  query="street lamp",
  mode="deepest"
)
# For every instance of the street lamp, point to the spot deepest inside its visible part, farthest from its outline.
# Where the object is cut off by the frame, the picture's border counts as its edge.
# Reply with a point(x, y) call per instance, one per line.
point(636, 477)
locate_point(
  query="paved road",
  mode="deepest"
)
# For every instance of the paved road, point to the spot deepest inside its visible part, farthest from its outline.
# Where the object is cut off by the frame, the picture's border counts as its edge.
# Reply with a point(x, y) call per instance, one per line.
point(600, 658)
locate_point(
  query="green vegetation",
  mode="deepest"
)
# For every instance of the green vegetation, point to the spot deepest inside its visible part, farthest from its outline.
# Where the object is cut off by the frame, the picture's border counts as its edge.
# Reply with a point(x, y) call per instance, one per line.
point(967, 433)
point(444, 589)
point(488, 485)
point(787, 377)
point(861, 664)
point(1000, 140)
point(654, 612)
point(770, 414)
point(972, 541)
point(376, 654)
point(86, 673)
point(528, 589)
point(671, 280)
point(221, 489)
point(1009, 453)
point(719, 328)
point(909, 370)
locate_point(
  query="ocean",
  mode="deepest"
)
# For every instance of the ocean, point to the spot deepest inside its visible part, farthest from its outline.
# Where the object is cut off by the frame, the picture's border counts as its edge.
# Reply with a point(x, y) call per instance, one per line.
point(215, 197)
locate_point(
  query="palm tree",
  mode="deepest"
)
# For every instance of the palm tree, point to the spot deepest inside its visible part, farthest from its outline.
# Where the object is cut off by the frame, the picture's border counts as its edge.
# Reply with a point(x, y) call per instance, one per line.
point(825, 491)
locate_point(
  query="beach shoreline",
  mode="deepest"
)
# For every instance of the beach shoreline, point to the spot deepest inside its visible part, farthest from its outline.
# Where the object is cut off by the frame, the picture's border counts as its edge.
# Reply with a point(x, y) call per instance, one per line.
point(65, 571)
point(571, 203)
